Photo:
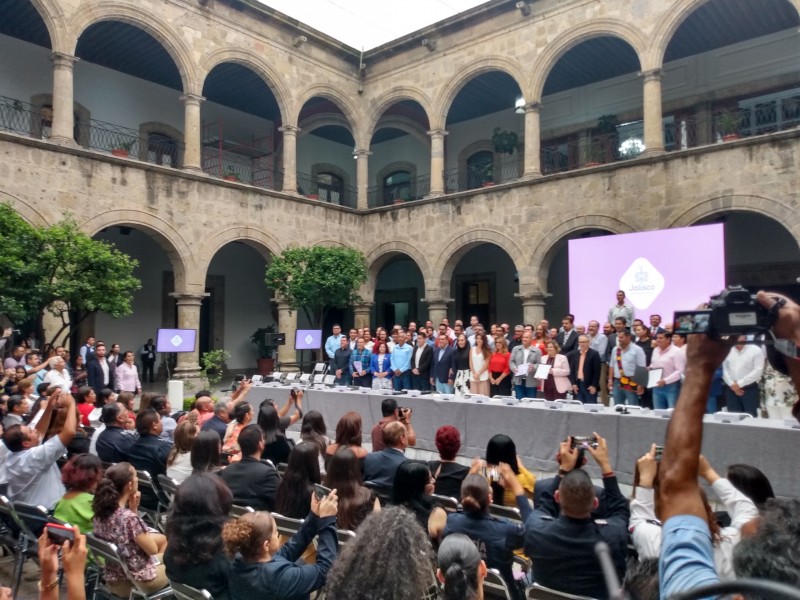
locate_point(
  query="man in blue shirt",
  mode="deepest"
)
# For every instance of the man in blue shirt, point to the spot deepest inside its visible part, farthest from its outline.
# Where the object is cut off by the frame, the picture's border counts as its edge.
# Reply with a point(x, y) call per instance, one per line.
point(363, 376)
point(332, 344)
point(400, 362)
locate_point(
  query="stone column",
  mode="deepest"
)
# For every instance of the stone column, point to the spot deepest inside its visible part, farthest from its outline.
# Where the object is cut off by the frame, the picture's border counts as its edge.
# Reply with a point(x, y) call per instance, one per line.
point(653, 127)
point(289, 158)
point(362, 176)
point(287, 324)
point(437, 309)
point(188, 367)
point(361, 313)
point(437, 161)
point(63, 130)
point(532, 307)
point(533, 141)
point(192, 158)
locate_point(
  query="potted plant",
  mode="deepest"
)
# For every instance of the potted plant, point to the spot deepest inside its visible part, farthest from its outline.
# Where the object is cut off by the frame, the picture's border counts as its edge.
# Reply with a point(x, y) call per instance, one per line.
point(230, 174)
point(266, 352)
point(728, 122)
point(123, 150)
point(504, 142)
point(212, 365)
point(486, 173)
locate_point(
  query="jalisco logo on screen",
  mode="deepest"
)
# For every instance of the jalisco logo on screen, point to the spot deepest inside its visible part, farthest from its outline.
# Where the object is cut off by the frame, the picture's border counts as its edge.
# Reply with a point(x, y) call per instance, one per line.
point(176, 340)
point(642, 283)
point(309, 339)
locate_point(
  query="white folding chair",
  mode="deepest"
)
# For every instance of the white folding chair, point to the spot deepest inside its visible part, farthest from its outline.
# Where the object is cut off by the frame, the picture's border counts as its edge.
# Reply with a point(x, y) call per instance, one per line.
point(181, 591)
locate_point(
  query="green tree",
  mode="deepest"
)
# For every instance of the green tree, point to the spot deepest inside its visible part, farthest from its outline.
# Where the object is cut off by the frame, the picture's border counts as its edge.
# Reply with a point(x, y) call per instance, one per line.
point(316, 279)
point(62, 270)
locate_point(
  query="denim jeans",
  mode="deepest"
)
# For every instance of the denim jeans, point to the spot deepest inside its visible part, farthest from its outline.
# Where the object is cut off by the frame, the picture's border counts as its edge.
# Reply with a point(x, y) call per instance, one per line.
point(402, 381)
point(444, 388)
point(583, 394)
point(521, 391)
point(622, 396)
point(667, 396)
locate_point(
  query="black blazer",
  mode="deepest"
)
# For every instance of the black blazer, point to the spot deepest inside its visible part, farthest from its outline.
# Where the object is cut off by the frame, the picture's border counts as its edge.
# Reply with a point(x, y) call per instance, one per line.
point(591, 367)
point(381, 467)
point(252, 482)
point(440, 369)
point(95, 376)
point(424, 361)
point(570, 345)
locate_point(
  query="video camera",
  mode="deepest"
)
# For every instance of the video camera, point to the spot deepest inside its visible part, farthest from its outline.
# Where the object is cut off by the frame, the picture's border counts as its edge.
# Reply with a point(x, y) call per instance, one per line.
point(731, 313)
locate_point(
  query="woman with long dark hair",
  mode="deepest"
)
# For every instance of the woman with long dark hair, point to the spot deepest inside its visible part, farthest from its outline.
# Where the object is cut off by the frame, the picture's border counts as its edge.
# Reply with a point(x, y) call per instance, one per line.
point(501, 449)
point(85, 401)
point(313, 430)
point(116, 520)
point(195, 553)
point(412, 489)
point(205, 454)
point(302, 472)
point(461, 569)
point(381, 371)
point(276, 445)
point(355, 500)
point(479, 358)
point(460, 364)
point(348, 435)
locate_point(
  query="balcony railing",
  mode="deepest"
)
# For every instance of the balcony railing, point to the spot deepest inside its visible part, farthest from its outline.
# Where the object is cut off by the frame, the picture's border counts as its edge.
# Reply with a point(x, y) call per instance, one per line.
point(15, 115)
point(231, 166)
point(310, 187)
point(398, 193)
point(502, 169)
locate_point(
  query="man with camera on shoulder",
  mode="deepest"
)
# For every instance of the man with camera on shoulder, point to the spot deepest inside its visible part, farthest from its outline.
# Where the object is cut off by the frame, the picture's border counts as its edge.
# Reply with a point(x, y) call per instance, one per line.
point(391, 413)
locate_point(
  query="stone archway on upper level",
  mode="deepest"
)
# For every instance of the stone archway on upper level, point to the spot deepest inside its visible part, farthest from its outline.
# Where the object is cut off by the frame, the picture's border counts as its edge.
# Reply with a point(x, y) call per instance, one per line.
point(337, 98)
point(392, 97)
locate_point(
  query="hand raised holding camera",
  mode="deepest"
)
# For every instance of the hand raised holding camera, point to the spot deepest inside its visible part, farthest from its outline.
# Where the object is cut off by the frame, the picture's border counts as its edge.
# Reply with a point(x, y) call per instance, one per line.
point(327, 507)
point(600, 453)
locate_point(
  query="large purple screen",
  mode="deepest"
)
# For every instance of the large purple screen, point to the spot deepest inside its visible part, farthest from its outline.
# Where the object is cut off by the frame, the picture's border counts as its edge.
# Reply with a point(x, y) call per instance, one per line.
point(308, 339)
point(659, 271)
point(175, 340)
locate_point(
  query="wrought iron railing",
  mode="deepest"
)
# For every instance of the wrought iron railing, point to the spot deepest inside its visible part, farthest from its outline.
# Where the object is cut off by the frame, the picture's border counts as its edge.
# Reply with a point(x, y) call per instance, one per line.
point(502, 169)
point(16, 115)
point(332, 193)
point(231, 166)
point(398, 193)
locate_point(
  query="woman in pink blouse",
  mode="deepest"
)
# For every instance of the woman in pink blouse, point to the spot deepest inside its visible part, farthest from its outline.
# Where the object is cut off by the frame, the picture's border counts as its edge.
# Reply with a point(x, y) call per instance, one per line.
point(128, 375)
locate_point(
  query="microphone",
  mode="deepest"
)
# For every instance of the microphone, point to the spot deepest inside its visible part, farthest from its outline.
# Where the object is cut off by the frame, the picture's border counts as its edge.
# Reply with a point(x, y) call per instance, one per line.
point(613, 585)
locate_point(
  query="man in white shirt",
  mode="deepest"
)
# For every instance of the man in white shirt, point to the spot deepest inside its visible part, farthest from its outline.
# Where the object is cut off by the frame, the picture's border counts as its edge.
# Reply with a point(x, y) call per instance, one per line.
point(741, 372)
point(33, 475)
point(673, 362)
point(58, 375)
point(621, 309)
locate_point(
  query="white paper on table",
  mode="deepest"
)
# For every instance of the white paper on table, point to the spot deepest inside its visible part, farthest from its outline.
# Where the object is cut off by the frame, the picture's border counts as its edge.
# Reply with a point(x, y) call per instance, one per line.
point(542, 372)
point(522, 370)
point(653, 377)
point(357, 366)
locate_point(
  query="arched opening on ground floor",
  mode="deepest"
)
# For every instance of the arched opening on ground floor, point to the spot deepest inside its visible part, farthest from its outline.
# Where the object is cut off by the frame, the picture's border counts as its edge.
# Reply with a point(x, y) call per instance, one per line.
point(399, 289)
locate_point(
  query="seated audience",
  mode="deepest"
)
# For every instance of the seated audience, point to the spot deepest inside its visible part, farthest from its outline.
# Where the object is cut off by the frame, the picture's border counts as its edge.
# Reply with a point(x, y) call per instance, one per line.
point(348, 435)
point(179, 460)
point(355, 500)
point(263, 569)
point(205, 456)
point(127, 399)
point(105, 396)
point(80, 477)
point(221, 420)
point(195, 551)
point(446, 471)
point(313, 430)
point(461, 570)
point(496, 538)
point(203, 408)
point(161, 405)
point(276, 445)
point(242, 416)
point(561, 545)
point(501, 449)
point(391, 413)
point(116, 520)
point(85, 400)
point(149, 452)
point(115, 441)
point(413, 486)
point(646, 534)
point(380, 467)
point(252, 481)
point(302, 472)
point(392, 572)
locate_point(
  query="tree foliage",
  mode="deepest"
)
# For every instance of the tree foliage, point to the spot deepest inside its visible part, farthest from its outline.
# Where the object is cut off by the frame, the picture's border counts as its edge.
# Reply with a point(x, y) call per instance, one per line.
point(316, 279)
point(62, 270)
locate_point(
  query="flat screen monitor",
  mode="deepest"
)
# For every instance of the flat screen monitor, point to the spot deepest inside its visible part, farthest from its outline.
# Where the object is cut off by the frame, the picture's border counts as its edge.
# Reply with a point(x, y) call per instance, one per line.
point(308, 339)
point(659, 271)
point(176, 340)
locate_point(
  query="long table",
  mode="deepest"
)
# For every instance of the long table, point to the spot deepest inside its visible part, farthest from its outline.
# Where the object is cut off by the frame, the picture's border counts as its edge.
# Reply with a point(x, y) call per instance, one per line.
point(537, 431)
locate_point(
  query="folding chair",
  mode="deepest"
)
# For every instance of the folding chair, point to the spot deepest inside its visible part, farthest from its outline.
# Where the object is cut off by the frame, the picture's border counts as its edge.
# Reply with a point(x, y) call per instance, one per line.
point(169, 488)
point(106, 553)
point(237, 511)
point(345, 535)
point(287, 525)
point(24, 545)
point(150, 490)
point(383, 493)
point(539, 592)
point(506, 512)
point(181, 591)
point(494, 586)
point(282, 469)
point(446, 502)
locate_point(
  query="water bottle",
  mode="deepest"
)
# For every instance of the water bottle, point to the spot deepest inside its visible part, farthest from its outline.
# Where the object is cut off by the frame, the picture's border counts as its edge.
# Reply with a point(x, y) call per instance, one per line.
point(569, 396)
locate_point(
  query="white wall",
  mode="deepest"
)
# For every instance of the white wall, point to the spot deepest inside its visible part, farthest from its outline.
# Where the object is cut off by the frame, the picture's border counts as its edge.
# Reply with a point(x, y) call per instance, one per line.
point(312, 149)
point(406, 148)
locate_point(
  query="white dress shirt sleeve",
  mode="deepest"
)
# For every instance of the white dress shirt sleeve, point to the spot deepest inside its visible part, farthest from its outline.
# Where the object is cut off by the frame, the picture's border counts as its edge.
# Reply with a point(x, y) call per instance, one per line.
point(645, 534)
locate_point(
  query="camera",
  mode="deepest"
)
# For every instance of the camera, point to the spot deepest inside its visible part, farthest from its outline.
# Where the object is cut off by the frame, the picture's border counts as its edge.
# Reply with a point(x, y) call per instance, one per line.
point(491, 473)
point(580, 441)
point(733, 312)
point(320, 491)
point(659, 452)
point(403, 412)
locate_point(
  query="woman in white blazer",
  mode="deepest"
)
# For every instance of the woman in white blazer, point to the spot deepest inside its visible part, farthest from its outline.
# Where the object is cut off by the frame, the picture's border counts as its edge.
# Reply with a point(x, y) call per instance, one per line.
point(557, 384)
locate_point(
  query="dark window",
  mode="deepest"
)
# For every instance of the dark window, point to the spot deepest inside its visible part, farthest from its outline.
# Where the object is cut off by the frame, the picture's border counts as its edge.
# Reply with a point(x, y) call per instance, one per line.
point(396, 186)
point(330, 187)
point(480, 169)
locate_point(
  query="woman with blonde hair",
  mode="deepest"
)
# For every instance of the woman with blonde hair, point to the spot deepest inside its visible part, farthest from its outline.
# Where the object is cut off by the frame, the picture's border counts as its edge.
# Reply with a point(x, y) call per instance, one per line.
point(499, 371)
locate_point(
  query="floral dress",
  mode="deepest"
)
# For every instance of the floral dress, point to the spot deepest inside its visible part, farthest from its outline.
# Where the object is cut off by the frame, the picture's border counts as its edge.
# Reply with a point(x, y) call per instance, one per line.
point(121, 529)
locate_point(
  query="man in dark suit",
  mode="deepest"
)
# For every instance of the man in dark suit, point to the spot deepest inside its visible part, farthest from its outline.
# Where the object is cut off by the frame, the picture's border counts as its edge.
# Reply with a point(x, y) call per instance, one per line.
point(380, 467)
point(252, 482)
point(115, 441)
point(567, 339)
point(421, 360)
point(584, 371)
point(100, 371)
point(441, 360)
point(655, 326)
point(149, 452)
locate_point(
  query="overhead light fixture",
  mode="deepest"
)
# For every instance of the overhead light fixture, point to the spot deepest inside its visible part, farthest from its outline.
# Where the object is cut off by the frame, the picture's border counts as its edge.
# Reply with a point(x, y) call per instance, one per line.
point(355, 153)
point(524, 8)
point(429, 44)
point(519, 106)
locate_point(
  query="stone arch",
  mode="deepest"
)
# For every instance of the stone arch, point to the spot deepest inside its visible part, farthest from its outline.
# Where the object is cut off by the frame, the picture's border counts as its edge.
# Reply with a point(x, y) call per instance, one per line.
point(26, 210)
point(164, 33)
point(255, 63)
point(187, 277)
point(398, 165)
point(669, 23)
point(261, 241)
point(783, 214)
point(151, 127)
point(53, 16)
point(405, 124)
point(572, 37)
point(546, 249)
point(458, 247)
point(308, 125)
point(382, 254)
point(84, 116)
point(448, 94)
point(330, 92)
point(394, 96)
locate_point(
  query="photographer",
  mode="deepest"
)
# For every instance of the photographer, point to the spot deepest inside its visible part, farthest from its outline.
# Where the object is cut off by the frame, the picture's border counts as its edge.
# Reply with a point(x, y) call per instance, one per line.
point(73, 558)
point(392, 413)
point(561, 546)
